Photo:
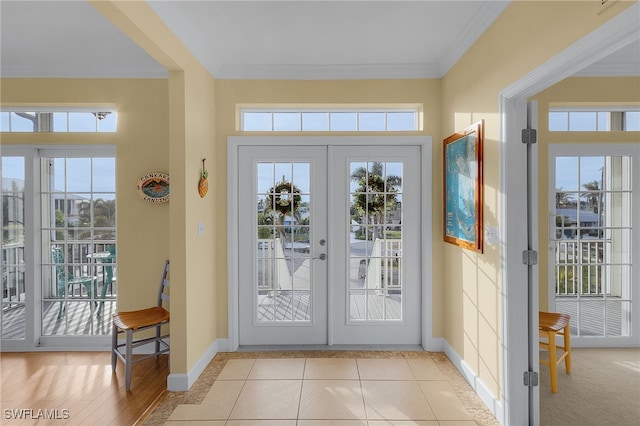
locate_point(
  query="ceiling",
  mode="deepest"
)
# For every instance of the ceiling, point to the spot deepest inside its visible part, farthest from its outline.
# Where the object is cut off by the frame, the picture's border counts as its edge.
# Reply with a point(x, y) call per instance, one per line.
point(262, 39)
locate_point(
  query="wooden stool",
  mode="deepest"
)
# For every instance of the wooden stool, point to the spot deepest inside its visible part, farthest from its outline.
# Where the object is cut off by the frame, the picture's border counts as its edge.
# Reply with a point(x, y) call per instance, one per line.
point(550, 325)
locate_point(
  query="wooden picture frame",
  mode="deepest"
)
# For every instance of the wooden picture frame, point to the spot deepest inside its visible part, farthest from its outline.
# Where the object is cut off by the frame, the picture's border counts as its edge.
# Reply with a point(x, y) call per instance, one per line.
point(463, 187)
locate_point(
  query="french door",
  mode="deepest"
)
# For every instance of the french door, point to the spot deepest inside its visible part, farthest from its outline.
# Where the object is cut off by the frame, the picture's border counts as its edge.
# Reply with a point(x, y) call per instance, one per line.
point(58, 251)
point(329, 245)
point(592, 255)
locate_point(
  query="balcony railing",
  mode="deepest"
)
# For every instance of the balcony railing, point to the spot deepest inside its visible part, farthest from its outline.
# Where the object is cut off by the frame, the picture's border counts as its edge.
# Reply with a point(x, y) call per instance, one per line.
point(580, 267)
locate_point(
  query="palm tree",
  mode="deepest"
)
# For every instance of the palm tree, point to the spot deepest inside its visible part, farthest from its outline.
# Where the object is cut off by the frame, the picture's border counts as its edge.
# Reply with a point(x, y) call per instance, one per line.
point(562, 198)
point(375, 195)
point(593, 197)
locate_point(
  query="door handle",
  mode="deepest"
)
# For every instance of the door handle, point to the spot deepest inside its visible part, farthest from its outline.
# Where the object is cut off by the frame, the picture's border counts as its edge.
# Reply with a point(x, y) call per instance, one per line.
point(322, 256)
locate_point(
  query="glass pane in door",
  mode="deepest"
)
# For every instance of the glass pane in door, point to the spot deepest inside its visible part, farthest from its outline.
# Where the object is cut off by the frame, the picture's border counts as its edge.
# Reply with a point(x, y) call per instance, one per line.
point(283, 292)
point(13, 314)
point(376, 234)
point(593, 249)
point(78, 246)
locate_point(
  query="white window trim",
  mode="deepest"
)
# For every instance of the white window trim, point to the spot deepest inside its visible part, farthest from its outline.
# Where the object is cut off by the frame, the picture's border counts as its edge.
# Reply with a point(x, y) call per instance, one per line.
point(415, 109)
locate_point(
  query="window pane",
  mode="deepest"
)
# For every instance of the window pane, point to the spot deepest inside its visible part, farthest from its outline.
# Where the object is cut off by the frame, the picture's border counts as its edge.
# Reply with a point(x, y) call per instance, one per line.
point(104, 169)
point(286, 121)
point(4, 121)
point(567, 173)
point(13, 174)
point(632, 121)
point(344, 121)
point(78, 171)
point(591, 173)
point(558, 121)
point(256, 121)
point(398, 121)
point(582, 121)
point(60, 122)
point(108, 122)
point(23, 122)
point(371, 121)
point(604, 121)
point(82, 122)
point(315, 121)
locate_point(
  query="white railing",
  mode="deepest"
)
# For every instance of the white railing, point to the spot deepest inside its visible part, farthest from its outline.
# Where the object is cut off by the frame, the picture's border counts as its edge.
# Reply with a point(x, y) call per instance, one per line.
point(13, 285)
point(580, 267)
point(273, 272)
point(384, 269)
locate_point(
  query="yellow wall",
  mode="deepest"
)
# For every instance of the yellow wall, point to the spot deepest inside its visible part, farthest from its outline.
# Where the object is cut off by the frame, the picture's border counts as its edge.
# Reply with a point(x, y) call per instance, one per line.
point(230, 93)
point(590, 91)
point(527, 34)
point(191, 131)
point(142, 146)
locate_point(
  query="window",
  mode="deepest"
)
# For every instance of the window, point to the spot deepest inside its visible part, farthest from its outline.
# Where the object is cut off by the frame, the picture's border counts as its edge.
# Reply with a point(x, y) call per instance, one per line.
point(593, 119)
point(358, 119)
point(36, 120)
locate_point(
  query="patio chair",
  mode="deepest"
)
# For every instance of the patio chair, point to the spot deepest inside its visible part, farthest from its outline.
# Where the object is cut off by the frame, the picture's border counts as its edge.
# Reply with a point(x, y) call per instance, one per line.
point(550, 325)
point(108, 276)
point(67, 280)
point(131, 322)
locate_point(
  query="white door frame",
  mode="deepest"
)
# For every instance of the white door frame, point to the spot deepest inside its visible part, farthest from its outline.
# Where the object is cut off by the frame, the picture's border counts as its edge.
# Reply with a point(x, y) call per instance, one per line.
point(234, 142)
point(616, 33)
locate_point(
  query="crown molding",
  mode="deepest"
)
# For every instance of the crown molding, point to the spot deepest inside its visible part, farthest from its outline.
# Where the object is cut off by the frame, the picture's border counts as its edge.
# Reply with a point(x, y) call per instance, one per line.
point(325, 72)
point(102, 71)
point(489, 12)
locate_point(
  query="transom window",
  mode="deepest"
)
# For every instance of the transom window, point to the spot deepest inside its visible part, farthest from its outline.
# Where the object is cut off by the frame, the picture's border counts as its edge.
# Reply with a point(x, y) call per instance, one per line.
point(593, 119)
point(60, 121)
point(358, 119)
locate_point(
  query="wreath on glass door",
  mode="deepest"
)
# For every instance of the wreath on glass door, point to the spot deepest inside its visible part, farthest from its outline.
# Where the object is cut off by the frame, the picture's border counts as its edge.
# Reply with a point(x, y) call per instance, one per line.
point(284, 198)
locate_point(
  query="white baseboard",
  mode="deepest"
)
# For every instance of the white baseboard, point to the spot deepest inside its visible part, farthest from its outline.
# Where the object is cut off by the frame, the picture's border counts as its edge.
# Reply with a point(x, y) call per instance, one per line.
point(183, 381)
point(488, 398)
point(435, 344)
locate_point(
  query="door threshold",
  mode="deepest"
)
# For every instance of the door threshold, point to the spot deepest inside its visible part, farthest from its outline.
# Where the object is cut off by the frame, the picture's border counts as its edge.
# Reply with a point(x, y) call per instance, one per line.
point(285, 348)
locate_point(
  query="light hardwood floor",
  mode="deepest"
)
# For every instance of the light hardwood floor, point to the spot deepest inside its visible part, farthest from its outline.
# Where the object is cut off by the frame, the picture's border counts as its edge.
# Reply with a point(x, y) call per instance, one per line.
point(77, 388)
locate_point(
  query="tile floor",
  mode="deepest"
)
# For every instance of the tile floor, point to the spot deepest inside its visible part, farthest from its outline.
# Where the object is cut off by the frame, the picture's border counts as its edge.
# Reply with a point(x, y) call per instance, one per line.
point(327, 392)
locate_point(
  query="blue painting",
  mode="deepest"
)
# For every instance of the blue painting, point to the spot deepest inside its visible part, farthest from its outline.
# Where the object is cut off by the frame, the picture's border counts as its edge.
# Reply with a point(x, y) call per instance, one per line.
point(462, 189)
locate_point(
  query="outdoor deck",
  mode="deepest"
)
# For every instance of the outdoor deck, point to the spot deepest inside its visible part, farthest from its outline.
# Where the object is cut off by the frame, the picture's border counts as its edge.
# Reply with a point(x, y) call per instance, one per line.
point(79, 319)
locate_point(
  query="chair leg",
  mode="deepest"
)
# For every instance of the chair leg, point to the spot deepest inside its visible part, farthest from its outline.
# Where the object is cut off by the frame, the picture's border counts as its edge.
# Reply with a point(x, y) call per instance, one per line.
point(158, 334)
point(103, 294)
point(128, 357)
point(567, 348)
point(114, 347)
point(553, 363)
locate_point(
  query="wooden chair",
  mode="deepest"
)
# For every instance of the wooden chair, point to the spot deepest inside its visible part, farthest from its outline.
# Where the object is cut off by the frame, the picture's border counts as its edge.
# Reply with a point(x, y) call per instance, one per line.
point(131, 322)
point(552, 324)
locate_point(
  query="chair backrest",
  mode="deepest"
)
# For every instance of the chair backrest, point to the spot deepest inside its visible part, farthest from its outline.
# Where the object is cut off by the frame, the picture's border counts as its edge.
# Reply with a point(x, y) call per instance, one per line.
point(57, 255)
point(164, 284)
point(108, 264)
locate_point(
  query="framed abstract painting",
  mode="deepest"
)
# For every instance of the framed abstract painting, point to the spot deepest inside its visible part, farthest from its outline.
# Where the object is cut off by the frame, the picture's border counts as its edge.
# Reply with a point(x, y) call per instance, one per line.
point(463, 187)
